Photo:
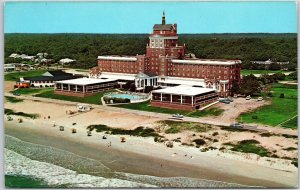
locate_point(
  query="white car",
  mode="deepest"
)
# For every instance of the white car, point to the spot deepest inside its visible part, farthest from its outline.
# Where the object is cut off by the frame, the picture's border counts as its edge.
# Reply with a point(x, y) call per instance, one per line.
point(177, 115)
point(259, 99)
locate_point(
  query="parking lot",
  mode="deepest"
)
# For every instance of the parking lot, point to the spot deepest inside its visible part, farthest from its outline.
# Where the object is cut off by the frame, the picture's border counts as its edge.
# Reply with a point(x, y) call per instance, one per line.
point(235, 108)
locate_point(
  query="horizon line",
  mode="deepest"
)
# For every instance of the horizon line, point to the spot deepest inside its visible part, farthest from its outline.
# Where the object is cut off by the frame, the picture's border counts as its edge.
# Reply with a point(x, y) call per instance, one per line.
point(149, 33)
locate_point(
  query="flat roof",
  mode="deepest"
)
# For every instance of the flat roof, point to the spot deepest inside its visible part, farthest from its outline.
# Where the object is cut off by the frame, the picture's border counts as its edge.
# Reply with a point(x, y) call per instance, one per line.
point(85, 81)
point(183, 81)
point(206, 62)
point(184, 90)
point(120, 76)
point(118, 58)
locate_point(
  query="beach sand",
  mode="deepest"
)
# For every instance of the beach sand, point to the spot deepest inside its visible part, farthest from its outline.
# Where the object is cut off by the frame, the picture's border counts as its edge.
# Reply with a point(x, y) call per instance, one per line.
point(142, 156)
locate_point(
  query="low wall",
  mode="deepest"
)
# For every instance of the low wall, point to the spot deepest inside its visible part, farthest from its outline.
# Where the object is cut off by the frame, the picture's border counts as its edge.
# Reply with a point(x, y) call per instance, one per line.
point(172, 106)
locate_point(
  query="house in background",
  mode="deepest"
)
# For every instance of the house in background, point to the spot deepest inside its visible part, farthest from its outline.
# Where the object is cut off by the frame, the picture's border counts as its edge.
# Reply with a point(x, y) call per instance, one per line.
point(49, 78)
point(66, 61)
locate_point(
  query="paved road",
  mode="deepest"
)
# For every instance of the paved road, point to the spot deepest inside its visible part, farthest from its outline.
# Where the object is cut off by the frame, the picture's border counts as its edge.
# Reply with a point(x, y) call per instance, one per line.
point(162, 116)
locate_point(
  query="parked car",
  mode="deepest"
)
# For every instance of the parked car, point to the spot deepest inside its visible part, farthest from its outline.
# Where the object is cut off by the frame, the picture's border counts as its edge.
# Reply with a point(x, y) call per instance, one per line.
point(225, 101)
point(236, 125)
point(177, 115)
point(248, 98)
point(259, 99)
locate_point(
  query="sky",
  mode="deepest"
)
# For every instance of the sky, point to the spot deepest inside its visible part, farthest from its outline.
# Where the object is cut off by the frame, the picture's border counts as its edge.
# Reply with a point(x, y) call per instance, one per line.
point(139, 17)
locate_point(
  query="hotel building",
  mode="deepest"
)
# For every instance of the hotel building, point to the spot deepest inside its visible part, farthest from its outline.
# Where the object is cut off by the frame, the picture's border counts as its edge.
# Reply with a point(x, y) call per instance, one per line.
point(166, 64)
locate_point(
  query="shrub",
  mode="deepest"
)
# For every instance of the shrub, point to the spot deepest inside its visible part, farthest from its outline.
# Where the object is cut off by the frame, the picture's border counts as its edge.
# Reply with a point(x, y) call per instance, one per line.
point(295, 163)
point(199, 141)
point(270, 94)
point(281, 95)
point(46, 86)
point(252, 141)
point(222, 148)
point(212, 148)
point(204, 149)
point(215, 134)
point(106, 99)
point(266, 134)
point(215, 140)
point(186, 144)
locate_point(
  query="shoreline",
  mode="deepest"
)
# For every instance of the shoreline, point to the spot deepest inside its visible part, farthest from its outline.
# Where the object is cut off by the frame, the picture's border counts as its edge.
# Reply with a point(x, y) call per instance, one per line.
point(139, 162)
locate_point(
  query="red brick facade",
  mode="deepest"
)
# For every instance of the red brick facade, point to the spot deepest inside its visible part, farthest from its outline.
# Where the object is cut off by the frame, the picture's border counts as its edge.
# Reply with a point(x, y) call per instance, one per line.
point(165, 57)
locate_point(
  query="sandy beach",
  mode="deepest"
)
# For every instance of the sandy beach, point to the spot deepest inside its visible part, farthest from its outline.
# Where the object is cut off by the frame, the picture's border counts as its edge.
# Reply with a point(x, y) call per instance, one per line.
point(143, 156)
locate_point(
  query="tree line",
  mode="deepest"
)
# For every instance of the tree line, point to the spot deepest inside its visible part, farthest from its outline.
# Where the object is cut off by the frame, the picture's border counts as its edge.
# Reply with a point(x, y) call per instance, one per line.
point(86, 47)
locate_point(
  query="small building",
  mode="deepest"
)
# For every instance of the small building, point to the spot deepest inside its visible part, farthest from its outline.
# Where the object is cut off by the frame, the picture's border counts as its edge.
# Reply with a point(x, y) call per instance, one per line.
point(49, 78)
point(66, 61)
point(183, 97)
point(82, 87)
point(14, 55)
point(9, 67)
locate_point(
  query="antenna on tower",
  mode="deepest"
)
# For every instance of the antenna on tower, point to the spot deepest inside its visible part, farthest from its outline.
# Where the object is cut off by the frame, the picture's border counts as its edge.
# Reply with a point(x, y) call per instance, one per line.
point(163, 21)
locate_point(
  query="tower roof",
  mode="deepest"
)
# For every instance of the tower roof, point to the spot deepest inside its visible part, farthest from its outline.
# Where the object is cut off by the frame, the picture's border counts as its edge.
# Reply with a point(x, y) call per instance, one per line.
point(163, 26)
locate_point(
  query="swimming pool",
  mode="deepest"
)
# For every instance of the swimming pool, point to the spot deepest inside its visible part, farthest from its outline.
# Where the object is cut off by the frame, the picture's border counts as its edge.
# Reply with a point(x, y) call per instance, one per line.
point(127, 96)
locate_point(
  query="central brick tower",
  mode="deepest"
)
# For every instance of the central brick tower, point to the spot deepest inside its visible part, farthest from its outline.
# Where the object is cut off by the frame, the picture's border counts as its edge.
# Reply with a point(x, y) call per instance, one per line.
point(163, 45)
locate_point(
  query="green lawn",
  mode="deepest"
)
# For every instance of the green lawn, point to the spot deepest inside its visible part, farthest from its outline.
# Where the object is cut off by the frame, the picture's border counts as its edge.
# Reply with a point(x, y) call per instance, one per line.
point(28, 91)
point(280, 109)
point(206, 112)
point(248, 72)
point(14, 76)
point(94, 99)
point(291, 123)
point(145, 106)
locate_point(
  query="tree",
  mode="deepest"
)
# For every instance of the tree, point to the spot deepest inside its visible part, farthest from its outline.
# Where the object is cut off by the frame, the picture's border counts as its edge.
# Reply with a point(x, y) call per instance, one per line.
point(235, 87)
point(250, 85)
point(293, 76)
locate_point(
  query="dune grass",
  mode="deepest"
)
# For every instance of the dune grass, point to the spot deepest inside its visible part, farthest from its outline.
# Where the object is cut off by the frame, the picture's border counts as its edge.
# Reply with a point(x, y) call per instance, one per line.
point(139, 131)
point(179, 126)
point(13, 99)
point(280, 109)
point(249, 146)
point(12, 112)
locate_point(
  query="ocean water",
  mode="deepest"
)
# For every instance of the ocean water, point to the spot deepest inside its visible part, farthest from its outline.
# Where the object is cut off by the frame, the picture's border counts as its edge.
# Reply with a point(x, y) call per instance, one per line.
point(53, 167)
